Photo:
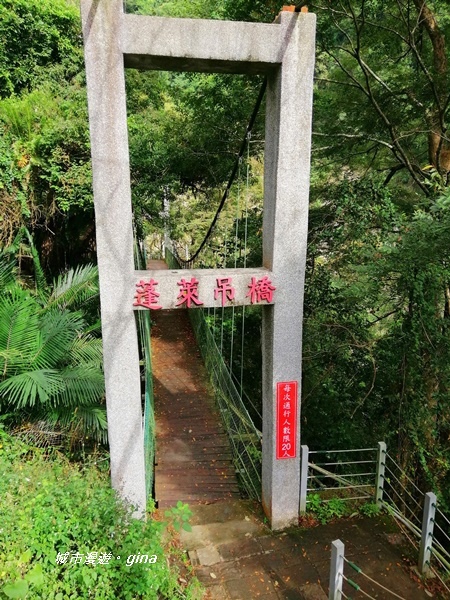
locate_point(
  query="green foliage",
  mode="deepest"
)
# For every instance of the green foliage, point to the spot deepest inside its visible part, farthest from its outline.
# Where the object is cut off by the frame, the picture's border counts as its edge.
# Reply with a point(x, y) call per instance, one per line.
point(200, 9)
point(370, 509)
point(179, 516)
point(50, 365)
point(376, 348)
point(37, 35)
point(382, 84)
point(50, 508)
point(45, 172)
point(377, 308)
point(183, 142)
point(326, 511)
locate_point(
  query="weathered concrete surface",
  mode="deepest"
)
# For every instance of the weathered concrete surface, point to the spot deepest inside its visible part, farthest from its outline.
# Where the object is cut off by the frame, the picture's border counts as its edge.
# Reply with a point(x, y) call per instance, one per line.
point(102, 31)
point(252, 562)
point(286, 197)
point(201, 45)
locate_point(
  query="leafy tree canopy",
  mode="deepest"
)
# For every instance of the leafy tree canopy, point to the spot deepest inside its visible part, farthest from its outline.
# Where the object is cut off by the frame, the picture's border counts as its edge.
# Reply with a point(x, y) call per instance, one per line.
point(37, 35)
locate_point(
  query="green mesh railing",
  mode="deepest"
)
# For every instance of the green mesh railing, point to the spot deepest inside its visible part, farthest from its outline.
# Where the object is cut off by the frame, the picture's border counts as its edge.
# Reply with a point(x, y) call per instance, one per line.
point(144, 327)
point(244, 436)
point(149, 417)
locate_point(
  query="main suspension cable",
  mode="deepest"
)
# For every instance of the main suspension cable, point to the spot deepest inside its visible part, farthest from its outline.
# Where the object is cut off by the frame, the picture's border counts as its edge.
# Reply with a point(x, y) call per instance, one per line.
point(233, 174)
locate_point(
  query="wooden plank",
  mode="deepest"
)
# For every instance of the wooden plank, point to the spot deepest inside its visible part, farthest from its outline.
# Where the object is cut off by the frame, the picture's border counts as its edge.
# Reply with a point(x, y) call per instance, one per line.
point(200, 484)
point(199, 469)
point(202, 442)
point(195, 499)
point(203, 483)
point(165, 458)
point(193, 454)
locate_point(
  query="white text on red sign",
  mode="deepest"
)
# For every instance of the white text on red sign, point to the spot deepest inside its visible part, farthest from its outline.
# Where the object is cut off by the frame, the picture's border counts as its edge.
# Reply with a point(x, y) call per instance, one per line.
point(286, 443)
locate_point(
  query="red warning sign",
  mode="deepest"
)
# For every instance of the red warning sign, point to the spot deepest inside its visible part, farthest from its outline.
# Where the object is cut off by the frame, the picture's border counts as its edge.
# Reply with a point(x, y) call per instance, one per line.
point(286, 419)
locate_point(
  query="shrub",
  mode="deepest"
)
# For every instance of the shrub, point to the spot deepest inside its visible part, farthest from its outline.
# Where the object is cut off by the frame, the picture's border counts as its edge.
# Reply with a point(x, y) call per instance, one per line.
point(326, 511)
point(53, 511)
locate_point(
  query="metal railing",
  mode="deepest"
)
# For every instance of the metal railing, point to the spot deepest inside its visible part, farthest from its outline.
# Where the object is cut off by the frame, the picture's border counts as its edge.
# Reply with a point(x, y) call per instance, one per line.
point(425, 526)
point(143, 318)
point(339, 579)
point(371, 474)
point(347, 474)
point(143, 321)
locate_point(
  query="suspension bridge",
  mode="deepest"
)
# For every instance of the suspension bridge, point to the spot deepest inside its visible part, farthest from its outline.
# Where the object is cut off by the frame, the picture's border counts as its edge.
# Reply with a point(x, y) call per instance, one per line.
point(207, 435)
point(282, 54)
point(208, 451)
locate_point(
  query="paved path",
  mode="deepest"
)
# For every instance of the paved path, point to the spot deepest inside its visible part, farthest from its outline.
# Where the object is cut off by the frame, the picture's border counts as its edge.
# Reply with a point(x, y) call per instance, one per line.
point(193, 457)
point(238, 558)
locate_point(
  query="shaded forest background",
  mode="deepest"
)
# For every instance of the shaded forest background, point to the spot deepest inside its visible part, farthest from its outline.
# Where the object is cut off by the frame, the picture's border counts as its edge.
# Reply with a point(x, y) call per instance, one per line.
point(376, 362)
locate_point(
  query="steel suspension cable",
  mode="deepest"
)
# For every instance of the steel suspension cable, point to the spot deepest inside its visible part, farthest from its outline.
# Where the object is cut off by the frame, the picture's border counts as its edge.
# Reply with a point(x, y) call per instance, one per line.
point(435, 571)
point(232, 176)
point(388, 456)
point(236, 246)
point(223, 308)
point(247, 186)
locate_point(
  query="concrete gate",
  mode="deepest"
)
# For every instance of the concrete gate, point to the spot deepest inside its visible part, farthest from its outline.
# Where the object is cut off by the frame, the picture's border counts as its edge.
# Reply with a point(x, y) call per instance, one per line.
point(284, 52)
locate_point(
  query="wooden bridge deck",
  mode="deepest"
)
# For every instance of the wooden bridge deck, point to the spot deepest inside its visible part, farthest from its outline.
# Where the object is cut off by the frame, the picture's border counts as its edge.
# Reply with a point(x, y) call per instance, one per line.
point(193, 456)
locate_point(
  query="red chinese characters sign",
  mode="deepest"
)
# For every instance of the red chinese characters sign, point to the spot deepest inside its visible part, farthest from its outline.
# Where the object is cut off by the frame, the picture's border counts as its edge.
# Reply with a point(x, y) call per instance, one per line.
point(260, 291)
point(286, 419)
point(224, 289)
point(188, 293)
point(146, 295)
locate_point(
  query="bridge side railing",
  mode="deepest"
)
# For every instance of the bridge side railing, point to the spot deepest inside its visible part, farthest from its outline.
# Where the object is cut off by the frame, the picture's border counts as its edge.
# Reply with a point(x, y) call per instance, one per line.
point(148, 422)
point(351, 472)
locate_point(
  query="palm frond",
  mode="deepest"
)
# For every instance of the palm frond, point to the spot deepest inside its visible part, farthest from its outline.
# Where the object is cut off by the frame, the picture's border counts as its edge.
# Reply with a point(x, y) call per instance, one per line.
point(31, 388)
point(94, 328)
point(93, 421)
point(13, 248)
point(57, 330)
point(88, 350)
point(83, 385)
point(8, 272)
point(85, 421)
point(75, 288)
point(41, 282)
point(19, 331)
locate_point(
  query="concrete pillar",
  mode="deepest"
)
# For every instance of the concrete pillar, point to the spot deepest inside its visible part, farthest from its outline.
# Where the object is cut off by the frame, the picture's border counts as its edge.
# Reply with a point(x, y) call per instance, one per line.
point(304, 470)
point(286, 196)
point(102, 30)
